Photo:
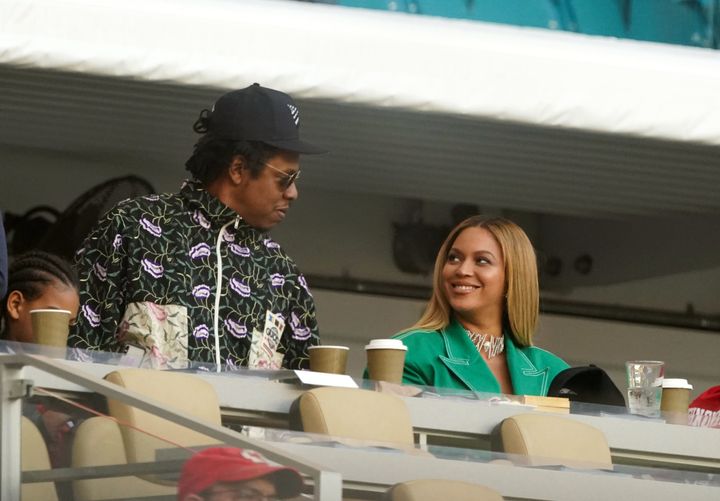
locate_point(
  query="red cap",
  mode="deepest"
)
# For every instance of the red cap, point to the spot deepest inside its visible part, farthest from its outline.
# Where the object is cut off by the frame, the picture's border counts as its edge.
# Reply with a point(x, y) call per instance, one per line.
point(230, 464)
point(705, 409)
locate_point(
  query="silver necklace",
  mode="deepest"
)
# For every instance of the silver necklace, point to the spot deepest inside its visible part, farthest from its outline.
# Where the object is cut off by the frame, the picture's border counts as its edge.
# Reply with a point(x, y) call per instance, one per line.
point(492, 345)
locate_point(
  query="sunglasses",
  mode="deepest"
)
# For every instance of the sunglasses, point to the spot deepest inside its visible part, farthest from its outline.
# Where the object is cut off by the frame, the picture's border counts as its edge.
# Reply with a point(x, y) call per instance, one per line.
point(288, 179)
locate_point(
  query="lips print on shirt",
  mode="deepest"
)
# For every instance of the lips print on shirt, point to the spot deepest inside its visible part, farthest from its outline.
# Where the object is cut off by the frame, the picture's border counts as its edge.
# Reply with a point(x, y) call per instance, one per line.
point(100, 272)
point(200, 219)
point(238, 330)
point(200, 251)
point(240, 287)
point(150, 228)
point(201, 332)
point(153, 268)
point(270, 244)
point(201, 291)
point(300, 331)
point(277, 280)
point(227, 236)
point(239, 250)
point(90, 315)
point(304, 284)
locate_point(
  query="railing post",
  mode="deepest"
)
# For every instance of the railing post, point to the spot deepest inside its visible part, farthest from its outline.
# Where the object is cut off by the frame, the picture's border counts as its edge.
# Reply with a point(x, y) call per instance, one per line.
point(328, 486)
point(12, 389)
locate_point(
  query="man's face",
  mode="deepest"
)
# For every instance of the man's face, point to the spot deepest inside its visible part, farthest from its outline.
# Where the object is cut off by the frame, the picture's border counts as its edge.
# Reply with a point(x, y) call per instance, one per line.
point(258, 489)
point(263, 201)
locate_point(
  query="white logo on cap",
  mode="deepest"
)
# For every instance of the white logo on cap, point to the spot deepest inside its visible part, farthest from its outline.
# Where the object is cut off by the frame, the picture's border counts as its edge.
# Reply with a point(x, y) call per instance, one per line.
point(295, 113)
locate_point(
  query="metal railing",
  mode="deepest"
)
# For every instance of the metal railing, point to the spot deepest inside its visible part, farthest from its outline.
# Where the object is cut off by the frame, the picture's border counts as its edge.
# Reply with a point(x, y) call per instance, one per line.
point(13, 388)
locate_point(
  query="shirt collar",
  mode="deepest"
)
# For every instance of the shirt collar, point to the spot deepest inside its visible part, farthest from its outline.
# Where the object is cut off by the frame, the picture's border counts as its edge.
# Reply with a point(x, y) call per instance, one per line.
point(215, 212)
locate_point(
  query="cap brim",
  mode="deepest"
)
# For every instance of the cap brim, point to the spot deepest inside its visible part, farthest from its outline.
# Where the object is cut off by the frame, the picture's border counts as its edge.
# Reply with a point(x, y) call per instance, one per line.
point(297, 146)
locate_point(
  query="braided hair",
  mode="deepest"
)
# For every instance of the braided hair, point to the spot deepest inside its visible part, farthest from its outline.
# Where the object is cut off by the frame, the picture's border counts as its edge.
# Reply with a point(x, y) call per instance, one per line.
point(31, 273)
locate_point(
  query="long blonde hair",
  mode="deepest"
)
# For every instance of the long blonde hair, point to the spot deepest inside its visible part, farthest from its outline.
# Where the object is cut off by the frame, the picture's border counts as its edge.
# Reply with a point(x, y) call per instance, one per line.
point(522, 303)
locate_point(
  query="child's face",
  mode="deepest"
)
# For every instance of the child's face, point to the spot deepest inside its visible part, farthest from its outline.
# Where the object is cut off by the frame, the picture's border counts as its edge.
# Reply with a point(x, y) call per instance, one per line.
point(55, 296)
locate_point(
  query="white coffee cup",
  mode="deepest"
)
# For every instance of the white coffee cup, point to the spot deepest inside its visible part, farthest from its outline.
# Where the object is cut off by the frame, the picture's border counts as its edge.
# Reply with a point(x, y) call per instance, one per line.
point(675, 400)
point(386, 359)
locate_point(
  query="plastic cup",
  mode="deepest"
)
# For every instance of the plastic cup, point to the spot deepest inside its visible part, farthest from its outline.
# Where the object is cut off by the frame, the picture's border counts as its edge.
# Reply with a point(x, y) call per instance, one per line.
point(676, 400)
point(51, 327)
point(326, 358)
point(386, 360)
point(645, 380)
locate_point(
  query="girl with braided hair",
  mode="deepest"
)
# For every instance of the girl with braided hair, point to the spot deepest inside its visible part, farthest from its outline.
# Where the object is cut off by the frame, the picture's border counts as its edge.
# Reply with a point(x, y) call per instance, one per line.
point(36, 280)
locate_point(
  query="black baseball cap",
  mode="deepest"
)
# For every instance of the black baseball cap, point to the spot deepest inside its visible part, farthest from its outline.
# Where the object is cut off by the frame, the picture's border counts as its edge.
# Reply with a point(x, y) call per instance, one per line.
point(257, 113)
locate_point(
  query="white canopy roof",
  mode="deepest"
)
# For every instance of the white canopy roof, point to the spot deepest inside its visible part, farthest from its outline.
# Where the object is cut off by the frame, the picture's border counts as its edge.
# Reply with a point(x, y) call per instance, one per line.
point(454, 102)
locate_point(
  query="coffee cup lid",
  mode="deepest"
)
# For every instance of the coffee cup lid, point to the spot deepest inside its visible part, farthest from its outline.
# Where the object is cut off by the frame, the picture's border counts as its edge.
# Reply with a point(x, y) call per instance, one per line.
point(677, 383)
point(50, 310)
point(385, 344)
point(337, 347)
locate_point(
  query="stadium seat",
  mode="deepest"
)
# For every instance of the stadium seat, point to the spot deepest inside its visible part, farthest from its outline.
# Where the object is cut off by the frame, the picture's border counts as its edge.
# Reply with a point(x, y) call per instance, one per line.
point(434, 489)
point(598, 18)
point(35, 457)
point(392, 5)
point(539, 13)
point(444, 8)
point(356, 414)
point(542, 439)
point(101, 441)
point(669, 21)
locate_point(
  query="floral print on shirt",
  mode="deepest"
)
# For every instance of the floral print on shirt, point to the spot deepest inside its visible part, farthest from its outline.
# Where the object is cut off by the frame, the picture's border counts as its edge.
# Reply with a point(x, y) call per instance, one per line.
point(159, 251)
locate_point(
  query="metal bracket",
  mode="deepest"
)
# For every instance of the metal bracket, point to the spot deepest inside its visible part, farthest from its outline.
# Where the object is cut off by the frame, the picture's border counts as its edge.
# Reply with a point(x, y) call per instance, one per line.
point(20, 388)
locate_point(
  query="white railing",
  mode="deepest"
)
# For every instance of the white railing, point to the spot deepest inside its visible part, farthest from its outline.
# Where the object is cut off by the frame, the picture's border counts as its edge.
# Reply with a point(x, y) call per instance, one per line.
point(13, 388)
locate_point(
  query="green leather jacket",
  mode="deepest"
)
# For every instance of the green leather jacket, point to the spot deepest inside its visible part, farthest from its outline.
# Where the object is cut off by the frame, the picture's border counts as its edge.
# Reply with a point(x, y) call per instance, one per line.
point(448, 359)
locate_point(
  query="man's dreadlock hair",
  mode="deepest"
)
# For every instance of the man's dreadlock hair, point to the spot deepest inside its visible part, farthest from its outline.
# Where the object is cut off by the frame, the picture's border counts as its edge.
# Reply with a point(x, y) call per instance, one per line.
point(32, 272)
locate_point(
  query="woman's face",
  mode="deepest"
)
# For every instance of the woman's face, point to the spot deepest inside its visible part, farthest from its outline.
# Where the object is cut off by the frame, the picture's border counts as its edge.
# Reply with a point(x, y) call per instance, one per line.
point(56, 295)
point(473, 277)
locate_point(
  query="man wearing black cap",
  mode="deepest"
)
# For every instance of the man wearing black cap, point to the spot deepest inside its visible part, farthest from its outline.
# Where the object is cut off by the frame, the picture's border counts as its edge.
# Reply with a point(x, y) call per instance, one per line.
point(193, 276)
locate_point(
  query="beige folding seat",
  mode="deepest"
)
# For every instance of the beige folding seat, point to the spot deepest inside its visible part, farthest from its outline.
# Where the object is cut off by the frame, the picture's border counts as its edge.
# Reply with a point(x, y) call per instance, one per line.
point(542, 439)
point(101, 441)
point(34, 457)
point(356, 414)
point(438, 489)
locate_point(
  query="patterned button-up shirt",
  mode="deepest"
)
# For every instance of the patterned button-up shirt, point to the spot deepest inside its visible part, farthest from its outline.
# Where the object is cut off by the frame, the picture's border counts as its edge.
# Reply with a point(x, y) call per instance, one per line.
point(149, 278)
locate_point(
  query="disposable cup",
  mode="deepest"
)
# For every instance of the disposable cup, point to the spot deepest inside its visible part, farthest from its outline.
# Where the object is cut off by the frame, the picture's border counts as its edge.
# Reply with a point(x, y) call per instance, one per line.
point(327, 358)
point(676, 400)
point(386, 360)
point(645, 380)
point(51, 327)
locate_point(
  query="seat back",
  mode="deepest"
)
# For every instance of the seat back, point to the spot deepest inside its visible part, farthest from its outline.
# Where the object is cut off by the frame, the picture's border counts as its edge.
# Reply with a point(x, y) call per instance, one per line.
point(554, 440)
point(101, 441)
point(357, 414)
point(98, 442)
point(670, 21)
point(34, 457)
point(434, 489)
point(539, 13)
point(181, 392)
point(598, 18)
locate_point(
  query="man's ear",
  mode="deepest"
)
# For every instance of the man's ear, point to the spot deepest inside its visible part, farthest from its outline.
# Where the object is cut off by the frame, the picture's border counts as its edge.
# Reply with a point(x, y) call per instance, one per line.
point(237, 170)
point(15, 303)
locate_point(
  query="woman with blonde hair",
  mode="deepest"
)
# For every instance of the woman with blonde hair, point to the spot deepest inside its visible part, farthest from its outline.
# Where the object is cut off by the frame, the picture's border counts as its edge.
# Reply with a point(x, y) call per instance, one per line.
point(476, 332)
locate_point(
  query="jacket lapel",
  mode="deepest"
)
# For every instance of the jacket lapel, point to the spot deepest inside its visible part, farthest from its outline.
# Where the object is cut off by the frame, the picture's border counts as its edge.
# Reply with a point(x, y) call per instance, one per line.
point(527, 378)
point(464, 361)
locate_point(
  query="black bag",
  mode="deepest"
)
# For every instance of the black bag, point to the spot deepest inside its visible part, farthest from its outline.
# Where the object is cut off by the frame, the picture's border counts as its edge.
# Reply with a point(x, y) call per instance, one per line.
point(589, 384)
